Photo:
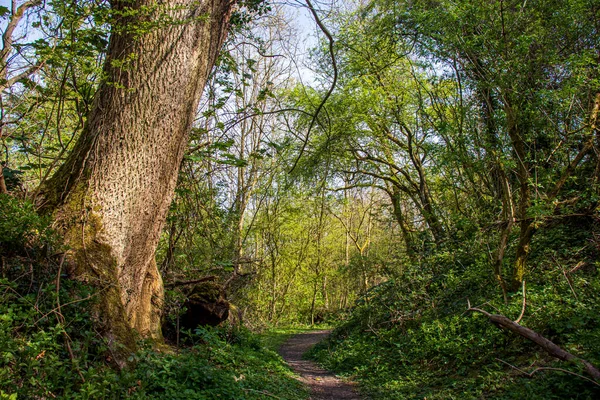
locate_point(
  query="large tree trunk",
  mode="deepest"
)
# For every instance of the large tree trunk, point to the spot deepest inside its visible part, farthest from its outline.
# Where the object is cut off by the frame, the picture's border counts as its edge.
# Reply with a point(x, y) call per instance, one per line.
point(111, 196)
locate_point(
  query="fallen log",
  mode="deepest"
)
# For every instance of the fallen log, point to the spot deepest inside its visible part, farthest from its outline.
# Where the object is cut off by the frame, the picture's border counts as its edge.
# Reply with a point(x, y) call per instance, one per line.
point(551, 348)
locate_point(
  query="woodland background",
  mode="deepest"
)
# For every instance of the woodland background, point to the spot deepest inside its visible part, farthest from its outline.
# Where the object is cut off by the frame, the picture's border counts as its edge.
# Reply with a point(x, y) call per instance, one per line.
point(423, 158)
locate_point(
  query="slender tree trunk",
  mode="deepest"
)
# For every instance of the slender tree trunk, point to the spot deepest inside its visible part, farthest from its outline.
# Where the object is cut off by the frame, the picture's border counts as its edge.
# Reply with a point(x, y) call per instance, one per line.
point(429, 213)
point(523, 247)
point(273, 300)
point(112, 195)
point(596, 145)
point(527, 228)
point(170, 256)
point(411, 249)
point(313, 302)
point(319, 238)
point(3, 188)
point(346, 225)
point(424, 194)
point(325, 294)
point(509, 215)
point(6, 53)
point(488, 106)
point(240, 207)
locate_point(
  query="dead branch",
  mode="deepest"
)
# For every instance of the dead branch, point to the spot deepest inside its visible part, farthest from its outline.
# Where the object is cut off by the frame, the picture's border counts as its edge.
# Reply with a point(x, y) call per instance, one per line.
point(551, 348)
point(577, 267)
point(565, 272)
point(530, 374)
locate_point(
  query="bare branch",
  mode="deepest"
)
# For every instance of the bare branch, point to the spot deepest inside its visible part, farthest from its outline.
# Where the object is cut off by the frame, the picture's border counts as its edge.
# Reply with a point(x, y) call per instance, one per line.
point(7, 36)
point(530, 374)
point(24, 74)
point(587, 146)
point(333, 83)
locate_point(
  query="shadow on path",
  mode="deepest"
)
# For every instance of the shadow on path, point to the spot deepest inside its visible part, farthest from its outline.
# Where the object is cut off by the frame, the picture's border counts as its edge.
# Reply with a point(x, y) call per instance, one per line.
point(322, 384)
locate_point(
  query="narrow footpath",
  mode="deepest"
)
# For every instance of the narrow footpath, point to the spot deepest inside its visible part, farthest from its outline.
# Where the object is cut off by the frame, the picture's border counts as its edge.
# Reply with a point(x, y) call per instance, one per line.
point(322, 384)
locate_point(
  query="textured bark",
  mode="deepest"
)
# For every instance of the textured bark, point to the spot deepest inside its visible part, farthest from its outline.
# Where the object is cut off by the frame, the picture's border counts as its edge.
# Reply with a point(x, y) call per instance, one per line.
point(523, 247)
point(112, 195)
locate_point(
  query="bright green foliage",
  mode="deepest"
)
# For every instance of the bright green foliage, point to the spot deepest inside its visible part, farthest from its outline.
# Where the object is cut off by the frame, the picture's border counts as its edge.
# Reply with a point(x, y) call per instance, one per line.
point(20, 226)
point(34, 336)
point(412, 338)
point(455, 158)
point(43, 114)
point(50, 347)
point(226, 363)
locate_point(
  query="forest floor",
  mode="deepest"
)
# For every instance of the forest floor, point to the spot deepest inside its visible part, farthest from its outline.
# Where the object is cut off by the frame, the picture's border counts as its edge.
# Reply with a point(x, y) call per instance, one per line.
point(323, 385)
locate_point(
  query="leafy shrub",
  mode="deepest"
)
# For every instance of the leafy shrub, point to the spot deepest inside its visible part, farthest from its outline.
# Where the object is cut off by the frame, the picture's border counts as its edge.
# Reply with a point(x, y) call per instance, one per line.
point(48, 346)
point(21, 227)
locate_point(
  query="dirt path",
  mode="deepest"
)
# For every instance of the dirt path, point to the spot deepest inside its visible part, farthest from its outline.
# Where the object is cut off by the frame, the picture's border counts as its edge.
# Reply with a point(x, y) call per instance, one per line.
point(322, 384)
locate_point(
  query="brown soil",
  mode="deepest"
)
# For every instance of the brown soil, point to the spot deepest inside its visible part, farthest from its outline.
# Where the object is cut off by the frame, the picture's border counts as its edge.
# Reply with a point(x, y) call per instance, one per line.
point(322, 384)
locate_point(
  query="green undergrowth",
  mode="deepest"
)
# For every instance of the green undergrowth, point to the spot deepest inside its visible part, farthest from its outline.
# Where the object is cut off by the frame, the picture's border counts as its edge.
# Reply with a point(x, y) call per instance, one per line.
point(35, 360)
point(49, 347)
point(412, 338)
point(225, 363)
